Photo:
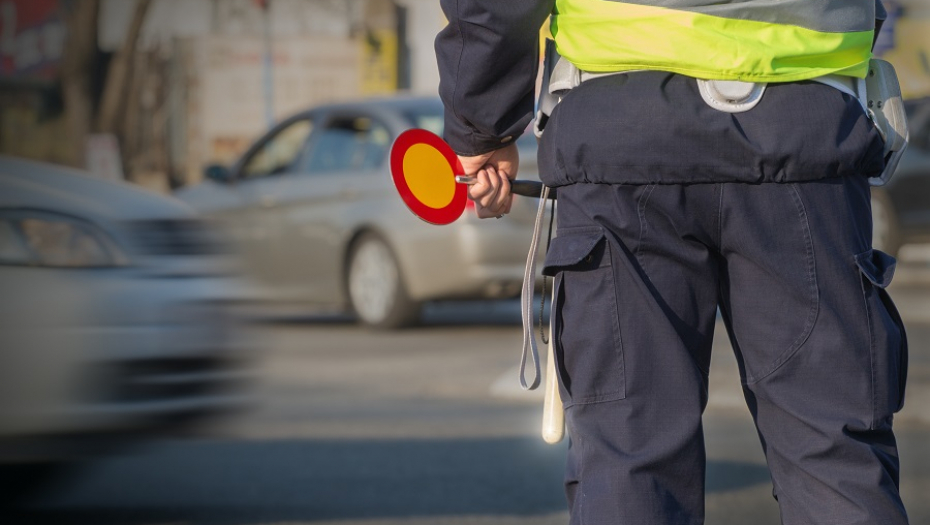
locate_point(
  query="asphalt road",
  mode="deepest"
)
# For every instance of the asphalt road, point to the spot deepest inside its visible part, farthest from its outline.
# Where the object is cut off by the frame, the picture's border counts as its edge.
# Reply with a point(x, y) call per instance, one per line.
point(426, 426)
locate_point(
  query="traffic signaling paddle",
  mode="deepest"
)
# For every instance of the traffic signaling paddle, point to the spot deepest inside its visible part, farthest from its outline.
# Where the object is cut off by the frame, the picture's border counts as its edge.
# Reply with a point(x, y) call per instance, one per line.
point(428, 177)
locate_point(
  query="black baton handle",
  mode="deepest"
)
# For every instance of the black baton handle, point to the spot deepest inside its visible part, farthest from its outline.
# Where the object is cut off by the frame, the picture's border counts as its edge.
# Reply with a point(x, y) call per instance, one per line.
point(526, 188)
point(530, 188)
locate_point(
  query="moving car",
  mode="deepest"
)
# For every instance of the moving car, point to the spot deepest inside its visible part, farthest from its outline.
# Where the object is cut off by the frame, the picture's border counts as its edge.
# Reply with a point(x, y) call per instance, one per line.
point(312, 208)
point(114, 325)
point(901, 208)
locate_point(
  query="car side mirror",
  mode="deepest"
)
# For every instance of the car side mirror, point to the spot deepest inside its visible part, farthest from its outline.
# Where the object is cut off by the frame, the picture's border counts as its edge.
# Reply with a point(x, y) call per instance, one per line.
point(218, 173)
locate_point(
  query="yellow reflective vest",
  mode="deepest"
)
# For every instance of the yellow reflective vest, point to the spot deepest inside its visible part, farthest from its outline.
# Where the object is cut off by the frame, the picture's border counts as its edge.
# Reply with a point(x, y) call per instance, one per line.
point(749, 40)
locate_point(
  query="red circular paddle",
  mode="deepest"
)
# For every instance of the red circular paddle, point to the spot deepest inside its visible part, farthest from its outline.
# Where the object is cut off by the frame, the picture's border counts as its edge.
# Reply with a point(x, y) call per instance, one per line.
point(423, 168)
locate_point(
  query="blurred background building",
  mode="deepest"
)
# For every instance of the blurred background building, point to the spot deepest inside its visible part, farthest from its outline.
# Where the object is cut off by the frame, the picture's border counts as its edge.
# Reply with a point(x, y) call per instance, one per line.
point(153, 90)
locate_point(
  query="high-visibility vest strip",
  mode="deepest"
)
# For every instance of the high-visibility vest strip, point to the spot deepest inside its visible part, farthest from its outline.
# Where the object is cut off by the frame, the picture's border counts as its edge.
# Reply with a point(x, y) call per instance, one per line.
point(605, 36)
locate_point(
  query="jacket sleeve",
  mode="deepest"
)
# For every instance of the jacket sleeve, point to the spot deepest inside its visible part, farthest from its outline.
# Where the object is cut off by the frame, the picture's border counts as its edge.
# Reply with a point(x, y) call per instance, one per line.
point(488, 57)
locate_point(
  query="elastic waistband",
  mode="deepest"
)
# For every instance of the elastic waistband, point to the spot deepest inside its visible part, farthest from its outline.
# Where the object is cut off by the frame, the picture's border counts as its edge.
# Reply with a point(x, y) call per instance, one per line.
point(566, 76)
point(654, 127)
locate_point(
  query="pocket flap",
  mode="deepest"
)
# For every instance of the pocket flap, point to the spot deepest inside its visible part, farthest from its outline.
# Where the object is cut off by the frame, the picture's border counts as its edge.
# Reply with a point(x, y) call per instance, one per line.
point(877, 266)
point(571, 248)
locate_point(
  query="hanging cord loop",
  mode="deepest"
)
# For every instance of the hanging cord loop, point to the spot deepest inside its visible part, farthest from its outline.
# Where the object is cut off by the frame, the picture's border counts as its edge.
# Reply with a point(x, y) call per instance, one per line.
point(542, 298)
point(526, 299)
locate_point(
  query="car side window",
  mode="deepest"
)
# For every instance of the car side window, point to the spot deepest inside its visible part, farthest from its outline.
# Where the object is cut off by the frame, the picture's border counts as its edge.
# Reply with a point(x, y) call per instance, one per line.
point(280, 153)
point(349, 144)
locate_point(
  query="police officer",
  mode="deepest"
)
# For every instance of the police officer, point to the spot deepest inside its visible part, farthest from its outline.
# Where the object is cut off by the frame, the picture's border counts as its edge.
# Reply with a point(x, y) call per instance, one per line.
point(679, 197)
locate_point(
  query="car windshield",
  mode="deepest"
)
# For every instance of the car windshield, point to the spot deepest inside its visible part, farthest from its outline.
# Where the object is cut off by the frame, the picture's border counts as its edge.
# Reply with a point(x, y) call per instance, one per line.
point(428, 118)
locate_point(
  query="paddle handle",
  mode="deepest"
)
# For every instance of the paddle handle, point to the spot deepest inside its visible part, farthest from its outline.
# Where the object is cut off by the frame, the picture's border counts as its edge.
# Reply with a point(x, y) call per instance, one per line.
point(526, 188)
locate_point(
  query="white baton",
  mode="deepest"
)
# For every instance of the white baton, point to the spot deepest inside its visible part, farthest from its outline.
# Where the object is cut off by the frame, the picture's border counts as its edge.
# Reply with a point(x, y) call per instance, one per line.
point(553, 421)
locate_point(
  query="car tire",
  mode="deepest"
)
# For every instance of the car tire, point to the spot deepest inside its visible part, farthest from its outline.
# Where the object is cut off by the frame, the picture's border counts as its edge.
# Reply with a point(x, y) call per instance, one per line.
point(886, 235)
point(375, 286)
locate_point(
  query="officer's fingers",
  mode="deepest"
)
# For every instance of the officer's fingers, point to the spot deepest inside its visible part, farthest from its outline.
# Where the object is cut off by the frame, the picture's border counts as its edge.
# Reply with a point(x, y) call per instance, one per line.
point(480, 192)
point(504, 196)
point(509, 204)
point(481, 188)
point(484, 213)
point(490, 199)
point(499, 202)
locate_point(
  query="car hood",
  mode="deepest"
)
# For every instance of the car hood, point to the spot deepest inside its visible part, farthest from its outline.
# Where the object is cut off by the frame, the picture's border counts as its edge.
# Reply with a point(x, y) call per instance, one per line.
point(28, 184)
point(208, 197)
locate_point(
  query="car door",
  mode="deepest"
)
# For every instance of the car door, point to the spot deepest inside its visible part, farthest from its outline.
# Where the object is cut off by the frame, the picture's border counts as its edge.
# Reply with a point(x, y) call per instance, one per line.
point(340, 181)
point(263, 178)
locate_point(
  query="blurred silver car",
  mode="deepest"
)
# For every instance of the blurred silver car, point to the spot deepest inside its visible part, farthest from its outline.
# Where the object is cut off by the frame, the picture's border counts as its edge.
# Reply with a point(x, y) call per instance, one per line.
point(312, 208)
point(113, 324)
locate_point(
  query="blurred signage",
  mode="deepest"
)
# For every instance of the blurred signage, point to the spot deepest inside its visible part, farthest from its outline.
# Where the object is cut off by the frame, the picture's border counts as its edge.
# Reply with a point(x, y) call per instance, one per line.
point(379, 62)
point(32, 39)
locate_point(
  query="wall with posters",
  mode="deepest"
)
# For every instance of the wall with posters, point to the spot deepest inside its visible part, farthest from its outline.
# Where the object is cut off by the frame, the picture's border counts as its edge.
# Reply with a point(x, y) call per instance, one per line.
point(32, 35)
point(32, 38)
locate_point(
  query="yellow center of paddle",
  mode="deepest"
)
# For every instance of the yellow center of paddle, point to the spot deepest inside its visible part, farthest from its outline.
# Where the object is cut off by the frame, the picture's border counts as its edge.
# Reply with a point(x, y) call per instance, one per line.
point(429, 176)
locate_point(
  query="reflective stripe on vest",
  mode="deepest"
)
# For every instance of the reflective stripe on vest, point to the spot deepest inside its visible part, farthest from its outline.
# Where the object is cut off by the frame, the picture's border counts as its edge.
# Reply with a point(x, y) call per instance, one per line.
point(749, 40)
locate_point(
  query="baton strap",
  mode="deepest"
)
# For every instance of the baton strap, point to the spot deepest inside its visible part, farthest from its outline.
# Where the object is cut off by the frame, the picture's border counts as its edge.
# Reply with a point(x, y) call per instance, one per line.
point(526, 299)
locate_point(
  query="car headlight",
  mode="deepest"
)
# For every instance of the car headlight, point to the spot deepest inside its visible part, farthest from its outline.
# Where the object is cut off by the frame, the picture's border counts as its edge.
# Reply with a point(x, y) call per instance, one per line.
point(54, 240)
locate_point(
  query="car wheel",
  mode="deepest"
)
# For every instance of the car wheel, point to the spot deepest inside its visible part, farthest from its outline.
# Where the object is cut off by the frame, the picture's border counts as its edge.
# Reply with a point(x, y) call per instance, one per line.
point(376, 287)
point(885, 234)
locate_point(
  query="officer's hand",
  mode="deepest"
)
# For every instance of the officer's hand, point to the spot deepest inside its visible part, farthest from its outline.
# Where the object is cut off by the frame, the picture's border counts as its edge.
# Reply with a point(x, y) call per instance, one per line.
point(494, 171)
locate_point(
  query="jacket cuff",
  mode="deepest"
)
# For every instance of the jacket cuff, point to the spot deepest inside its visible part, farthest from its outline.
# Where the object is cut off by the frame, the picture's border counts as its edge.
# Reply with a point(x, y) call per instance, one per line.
point(466, 141)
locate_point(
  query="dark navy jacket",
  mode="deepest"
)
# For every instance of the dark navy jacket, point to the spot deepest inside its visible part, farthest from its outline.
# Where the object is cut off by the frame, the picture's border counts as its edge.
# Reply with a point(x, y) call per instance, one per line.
point(648, 127)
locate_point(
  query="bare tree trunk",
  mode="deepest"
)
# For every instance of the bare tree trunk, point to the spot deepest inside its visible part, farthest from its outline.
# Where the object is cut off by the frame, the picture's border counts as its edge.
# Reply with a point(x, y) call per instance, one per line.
point(116, 89)
point(77, 73)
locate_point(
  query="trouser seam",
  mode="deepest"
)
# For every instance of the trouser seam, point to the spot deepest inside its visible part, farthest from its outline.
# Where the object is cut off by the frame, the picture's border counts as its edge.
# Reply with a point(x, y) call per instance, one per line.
point(720, 216)
point(814, 290)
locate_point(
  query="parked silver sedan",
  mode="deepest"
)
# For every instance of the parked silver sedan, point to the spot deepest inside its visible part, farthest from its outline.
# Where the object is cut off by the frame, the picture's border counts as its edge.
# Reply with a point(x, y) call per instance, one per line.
point(312, 207)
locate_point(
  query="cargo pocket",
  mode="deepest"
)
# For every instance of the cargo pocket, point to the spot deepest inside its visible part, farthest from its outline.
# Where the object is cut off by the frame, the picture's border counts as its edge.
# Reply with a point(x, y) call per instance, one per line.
point(586, 331)
point(887, 337)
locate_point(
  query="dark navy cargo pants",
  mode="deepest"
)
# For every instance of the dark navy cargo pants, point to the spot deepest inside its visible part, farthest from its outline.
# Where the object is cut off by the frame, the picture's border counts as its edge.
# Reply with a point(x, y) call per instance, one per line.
point(640, 273)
